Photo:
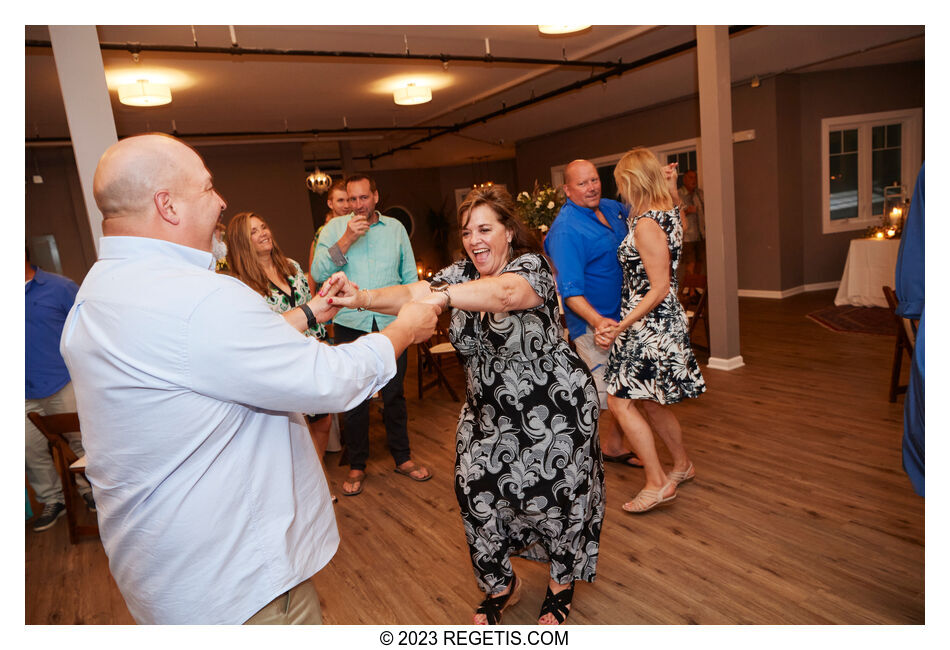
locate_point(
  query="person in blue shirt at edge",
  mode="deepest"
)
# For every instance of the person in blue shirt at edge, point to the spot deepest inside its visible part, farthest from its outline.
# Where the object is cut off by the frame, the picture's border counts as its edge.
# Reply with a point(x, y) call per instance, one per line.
point(374, 251)
point(49, 390)
point(583, 243)
point(909, 286)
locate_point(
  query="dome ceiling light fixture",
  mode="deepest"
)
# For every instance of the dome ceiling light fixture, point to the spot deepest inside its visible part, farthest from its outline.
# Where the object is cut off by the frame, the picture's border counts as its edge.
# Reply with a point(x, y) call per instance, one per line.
point(144, 93)
point(561, 29)
point(412, 94)
point(319, 181)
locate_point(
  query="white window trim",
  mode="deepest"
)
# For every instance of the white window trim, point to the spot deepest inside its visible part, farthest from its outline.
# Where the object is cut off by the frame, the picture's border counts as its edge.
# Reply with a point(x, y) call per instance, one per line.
point(660, 150)
point(911, 158)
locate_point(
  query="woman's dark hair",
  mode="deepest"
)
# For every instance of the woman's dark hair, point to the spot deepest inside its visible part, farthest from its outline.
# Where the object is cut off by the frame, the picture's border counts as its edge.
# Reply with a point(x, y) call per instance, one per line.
point(499, 200)
point(242, 258)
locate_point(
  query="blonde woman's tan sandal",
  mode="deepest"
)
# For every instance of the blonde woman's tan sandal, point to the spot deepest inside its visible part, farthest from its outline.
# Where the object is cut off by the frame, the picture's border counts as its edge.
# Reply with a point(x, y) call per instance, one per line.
point(682, 477)
point(646, 500)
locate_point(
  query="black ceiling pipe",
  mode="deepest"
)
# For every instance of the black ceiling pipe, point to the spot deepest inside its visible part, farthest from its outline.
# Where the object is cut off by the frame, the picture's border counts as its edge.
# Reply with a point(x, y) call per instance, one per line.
point(617, 70)
point(135, 48)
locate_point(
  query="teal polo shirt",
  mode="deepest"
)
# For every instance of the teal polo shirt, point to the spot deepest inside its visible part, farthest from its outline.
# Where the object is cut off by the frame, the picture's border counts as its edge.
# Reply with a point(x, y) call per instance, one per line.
point(380, 258)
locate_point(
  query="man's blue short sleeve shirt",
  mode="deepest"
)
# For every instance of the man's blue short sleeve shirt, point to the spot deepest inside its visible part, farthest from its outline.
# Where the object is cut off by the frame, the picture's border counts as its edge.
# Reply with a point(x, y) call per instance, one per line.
point(584, 252)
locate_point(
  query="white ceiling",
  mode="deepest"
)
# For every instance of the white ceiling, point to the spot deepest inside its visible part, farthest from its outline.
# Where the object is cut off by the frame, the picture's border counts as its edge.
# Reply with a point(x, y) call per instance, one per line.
point(258, 94)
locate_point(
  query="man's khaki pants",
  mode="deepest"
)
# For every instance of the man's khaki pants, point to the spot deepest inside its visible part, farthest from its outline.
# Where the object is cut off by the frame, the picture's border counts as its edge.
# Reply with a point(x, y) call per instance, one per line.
point(299, 606)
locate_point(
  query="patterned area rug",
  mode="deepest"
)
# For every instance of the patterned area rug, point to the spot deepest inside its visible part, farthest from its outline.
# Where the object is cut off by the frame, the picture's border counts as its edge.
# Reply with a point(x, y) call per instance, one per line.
point(860, 320)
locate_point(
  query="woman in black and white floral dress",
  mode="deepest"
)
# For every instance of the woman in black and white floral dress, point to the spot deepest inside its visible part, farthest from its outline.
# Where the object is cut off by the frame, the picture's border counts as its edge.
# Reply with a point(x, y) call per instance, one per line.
point(651, 364)
point(528, 473)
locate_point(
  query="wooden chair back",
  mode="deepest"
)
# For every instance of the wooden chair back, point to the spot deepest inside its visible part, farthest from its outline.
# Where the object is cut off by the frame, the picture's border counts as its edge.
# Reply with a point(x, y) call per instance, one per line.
point(55, 427)
point(905, 338)
point(429, 356)
point(693, 295)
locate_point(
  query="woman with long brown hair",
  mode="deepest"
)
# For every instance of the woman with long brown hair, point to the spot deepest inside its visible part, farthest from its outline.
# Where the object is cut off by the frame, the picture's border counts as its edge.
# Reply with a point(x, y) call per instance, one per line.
point(651, 364)
point(255, 258)
point(528, 473)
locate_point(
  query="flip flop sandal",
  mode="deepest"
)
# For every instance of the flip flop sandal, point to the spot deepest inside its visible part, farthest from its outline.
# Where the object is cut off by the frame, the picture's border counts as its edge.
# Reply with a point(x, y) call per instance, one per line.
point(557, 604)
point(493, 606)
point(413, 468)
point(623, 458)
point(357, 479)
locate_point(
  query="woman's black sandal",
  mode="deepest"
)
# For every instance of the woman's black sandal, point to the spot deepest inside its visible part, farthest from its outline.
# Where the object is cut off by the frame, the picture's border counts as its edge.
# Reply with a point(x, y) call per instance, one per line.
point(493, 606)
point(557, 604)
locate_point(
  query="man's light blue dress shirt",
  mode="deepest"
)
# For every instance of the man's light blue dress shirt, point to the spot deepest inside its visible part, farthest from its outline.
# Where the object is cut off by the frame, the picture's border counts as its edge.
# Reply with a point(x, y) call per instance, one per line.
point(211, 500)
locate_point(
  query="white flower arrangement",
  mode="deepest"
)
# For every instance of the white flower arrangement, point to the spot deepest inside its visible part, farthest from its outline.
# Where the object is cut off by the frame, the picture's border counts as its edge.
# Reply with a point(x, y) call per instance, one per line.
point(537, 209)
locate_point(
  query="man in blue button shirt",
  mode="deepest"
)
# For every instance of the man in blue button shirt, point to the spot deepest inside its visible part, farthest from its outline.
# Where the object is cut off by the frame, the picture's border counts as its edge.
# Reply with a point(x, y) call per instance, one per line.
point(583, 243)
point(374, 251)
point(49, 298)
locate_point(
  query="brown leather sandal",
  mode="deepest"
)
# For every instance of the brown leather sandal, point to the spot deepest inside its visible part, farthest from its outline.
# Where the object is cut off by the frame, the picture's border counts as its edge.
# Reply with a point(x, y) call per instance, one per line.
point(359, 480)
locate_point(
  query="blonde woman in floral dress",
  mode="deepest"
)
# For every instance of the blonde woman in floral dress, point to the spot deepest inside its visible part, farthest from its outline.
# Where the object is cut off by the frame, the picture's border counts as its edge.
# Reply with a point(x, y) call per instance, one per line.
point(651, 364)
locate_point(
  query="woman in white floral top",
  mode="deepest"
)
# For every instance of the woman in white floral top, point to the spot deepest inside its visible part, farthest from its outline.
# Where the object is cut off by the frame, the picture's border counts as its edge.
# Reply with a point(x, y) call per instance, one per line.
point(256, 259)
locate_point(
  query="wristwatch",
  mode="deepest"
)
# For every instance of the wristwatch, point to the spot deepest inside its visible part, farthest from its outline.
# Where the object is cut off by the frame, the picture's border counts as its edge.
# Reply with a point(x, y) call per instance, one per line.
point(443, 287)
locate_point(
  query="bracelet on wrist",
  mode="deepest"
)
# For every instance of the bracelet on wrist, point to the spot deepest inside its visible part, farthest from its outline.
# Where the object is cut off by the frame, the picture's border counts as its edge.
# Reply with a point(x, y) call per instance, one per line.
point(311, 320)
point(369, 300)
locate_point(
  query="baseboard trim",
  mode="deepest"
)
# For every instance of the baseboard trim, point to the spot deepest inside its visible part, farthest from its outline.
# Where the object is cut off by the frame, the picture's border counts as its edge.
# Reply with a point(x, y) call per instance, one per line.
point(786, 293)
point(822, 286)
point(772, 295)
point(718, 363)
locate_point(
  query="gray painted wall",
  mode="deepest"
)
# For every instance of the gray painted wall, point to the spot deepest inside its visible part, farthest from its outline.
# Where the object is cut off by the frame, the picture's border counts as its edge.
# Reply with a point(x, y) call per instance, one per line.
point(842, 92)
point(270, 180)
point(778, 175)
point(55, 207)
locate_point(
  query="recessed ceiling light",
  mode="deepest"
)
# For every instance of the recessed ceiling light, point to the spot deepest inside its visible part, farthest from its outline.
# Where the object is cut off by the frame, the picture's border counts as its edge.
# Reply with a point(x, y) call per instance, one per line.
point(412, 94)
point(561, 29)
point(143, 93)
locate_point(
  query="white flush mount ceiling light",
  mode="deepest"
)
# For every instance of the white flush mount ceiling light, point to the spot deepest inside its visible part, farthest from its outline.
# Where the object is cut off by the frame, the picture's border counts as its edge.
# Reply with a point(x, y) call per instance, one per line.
point(412, 94)
point(561, 29)
point(143, 93)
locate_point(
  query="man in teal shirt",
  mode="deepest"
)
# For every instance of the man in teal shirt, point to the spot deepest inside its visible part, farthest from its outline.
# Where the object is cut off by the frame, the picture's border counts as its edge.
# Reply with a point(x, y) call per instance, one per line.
point(374, 251)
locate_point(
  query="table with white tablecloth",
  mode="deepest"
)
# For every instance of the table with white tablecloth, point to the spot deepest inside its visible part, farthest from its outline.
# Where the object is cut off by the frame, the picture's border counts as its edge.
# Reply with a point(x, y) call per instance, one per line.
point(870, 266)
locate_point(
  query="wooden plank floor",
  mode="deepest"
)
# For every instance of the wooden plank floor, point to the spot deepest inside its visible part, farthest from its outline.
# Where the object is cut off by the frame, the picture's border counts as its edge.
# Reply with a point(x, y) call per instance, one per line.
point(800, 513)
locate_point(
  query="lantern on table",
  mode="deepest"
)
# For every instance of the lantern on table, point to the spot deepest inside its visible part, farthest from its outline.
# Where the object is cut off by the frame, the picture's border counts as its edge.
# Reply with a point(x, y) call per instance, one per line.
point(895, 208)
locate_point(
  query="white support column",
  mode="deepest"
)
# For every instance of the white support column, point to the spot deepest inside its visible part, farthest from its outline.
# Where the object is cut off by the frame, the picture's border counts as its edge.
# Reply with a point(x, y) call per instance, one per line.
point(88, 109)
point(715, 120)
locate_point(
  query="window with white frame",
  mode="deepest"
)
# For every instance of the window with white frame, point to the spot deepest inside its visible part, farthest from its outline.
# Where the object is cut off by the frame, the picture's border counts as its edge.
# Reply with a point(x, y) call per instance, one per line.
point(685, 152)
point(861, 155)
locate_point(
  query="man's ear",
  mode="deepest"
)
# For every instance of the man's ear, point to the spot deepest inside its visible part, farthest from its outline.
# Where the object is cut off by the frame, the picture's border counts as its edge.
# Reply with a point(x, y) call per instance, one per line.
point(163, 203)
